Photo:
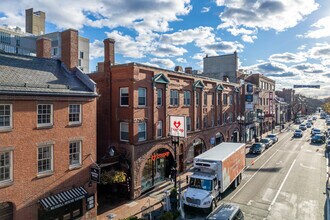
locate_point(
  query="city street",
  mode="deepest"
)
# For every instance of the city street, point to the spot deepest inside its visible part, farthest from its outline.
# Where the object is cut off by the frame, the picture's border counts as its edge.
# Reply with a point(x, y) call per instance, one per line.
point(286, 182)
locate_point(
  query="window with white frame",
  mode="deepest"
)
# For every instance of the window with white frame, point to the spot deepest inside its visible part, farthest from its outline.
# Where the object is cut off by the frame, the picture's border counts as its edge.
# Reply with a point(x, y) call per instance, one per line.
point(205, 98)
point(45, 159)
point(187, 98)
point(174, 97)
point(197, 98)
point(224, 120)
point(160, 129)
point(231, 99)
point(74, 114)
point(142, 133)
point(205, 121)
point(159, 97)
point(188, 121)
point(225, 98)
point(142, 97)
point(6, 167)
point(5, 116)
point(45, 114)
point(75, 153)
point(124, 96)
point(124, 131)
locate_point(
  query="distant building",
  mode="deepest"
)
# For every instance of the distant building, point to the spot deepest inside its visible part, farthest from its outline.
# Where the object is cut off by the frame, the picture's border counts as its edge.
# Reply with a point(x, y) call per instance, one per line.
point(14, 40)
point(35, 22)
point(223, 67)
point(48, 137)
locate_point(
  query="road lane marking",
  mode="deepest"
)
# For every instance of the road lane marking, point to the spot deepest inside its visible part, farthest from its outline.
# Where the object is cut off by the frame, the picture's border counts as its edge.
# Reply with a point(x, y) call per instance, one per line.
point(254, 174)
point(282, 184)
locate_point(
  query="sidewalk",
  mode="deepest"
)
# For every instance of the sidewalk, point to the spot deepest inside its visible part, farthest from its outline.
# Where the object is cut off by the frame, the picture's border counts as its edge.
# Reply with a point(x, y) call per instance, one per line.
point(141, 205)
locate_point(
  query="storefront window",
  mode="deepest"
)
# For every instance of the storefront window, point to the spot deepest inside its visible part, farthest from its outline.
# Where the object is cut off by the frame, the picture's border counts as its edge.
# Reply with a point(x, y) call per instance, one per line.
point(195, 149)
point(156, 169)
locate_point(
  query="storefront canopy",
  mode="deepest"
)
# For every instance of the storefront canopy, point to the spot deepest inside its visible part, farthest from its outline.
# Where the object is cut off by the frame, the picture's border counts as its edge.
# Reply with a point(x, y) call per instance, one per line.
point(63, 198)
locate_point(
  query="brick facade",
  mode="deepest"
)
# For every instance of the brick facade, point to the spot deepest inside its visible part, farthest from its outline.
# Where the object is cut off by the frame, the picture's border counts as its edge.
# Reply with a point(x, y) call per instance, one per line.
point(134, 76)
point(69, 42)
point(44, 46)
point(27, 188)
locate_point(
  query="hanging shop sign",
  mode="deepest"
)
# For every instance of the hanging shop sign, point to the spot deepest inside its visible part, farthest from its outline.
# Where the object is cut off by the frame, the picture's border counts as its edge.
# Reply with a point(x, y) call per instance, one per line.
point(95, 174)
point(90, 202)
point(161, 155)
point(178, 126)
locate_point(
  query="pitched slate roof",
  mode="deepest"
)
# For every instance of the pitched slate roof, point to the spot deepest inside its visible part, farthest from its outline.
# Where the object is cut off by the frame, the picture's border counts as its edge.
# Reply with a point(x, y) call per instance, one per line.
point(27, 75)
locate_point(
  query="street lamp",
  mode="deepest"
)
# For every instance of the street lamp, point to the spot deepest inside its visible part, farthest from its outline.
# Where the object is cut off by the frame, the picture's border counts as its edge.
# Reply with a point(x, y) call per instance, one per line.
point(261, 118)
point(241, 121)
point(175, 141)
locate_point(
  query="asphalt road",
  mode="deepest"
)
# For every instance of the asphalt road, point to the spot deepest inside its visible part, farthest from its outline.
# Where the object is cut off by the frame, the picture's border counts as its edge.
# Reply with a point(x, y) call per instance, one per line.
point(287, 181)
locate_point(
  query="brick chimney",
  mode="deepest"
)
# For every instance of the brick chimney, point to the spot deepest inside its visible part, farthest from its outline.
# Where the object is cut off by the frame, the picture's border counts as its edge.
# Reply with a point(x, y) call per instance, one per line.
point(109, 52)
point(44, 47)
point(188, 70)
point(178, 69)
point(69, 48)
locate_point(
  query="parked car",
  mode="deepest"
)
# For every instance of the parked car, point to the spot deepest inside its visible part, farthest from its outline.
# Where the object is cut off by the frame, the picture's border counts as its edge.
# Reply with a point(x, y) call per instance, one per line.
point(267, 141)
point(302, 127)
point(308, 125)
point(273, 137)
point(318, 139)
point(314, 117)
point(226, 211)
point(328, 121)
point(315, 131)
point(257, 148)
point(327, 147)
point(298, 133)
point(310, 121)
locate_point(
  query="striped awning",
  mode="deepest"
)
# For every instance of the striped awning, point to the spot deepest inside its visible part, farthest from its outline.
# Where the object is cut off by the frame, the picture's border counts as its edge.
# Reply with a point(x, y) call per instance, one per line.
point(63, 198)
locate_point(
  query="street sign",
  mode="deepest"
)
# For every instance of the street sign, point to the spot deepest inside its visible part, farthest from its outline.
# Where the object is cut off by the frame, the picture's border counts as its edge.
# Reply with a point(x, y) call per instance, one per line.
point(248, 106)
point(178, 126)
point(249, 98)
point(307, 86)
point(95, 174)
point(249, 88)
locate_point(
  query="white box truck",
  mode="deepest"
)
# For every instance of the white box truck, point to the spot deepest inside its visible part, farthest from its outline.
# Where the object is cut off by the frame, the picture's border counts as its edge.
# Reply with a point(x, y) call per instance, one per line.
point(214, 171)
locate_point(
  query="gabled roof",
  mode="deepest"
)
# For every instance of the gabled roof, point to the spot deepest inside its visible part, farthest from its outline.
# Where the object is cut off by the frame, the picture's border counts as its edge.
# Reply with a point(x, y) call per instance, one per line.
point(198, 84)
point(160, 78)
point(27, 75)
point(220, 87)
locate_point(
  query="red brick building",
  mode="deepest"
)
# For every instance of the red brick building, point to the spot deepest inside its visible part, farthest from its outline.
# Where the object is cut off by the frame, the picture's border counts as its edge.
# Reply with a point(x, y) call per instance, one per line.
point(133, 116)
point(47, 137)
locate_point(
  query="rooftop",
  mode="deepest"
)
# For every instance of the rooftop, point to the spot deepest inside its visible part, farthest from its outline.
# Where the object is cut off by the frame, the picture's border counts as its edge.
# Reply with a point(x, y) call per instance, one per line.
point(27, 75)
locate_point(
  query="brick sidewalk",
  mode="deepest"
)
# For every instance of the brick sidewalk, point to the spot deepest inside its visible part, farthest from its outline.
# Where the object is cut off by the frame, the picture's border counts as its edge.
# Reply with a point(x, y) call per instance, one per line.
point(135, 207)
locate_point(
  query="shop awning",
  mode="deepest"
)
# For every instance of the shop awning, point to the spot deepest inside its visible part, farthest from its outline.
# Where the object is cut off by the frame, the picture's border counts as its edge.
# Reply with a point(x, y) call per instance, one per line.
point(63, 198)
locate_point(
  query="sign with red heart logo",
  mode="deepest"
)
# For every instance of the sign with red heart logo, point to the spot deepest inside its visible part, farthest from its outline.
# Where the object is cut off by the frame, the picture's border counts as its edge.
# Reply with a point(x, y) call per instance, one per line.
point(178, 126)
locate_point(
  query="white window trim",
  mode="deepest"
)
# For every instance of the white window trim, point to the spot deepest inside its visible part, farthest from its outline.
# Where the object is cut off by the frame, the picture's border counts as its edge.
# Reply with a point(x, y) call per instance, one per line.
point(51, 117)
point(161, 128)
point(161, 97)
point(51, 171)
point(80, 155)
point(11, 172)
point(177, 97)
point(145, 97)
point(76, 122)
point(145, 131)
point(5, 128)
point(120, 125)
point(186, 97)
point(120, 93)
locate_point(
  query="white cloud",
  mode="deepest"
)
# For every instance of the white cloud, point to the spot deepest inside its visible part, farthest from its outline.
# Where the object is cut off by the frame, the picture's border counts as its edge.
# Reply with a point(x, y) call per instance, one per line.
point(248, 39)
point(126, 45)
point(288, 57)
point(199, 56)
point(265, 15)
point(181, 60)
point(238, 31)
point(321, 52)
point(205, 9)
point(167, 50)
point(141, 15)
point(167, 63)
point(302, 47)
point(320, 29)
point(96, 49)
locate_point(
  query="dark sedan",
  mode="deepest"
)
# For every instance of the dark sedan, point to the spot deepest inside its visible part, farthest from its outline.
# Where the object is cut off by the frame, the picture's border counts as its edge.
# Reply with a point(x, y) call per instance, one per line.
point(257, 148)
point(318, 139)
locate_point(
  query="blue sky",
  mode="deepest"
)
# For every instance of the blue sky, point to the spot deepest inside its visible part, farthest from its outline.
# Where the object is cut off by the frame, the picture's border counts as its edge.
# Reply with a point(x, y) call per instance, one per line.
point(287, 40)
